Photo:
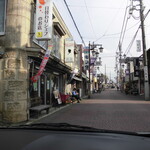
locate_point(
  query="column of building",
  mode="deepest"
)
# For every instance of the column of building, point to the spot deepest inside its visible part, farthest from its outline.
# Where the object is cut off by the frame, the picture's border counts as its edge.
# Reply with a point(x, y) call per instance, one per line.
point(13, 100)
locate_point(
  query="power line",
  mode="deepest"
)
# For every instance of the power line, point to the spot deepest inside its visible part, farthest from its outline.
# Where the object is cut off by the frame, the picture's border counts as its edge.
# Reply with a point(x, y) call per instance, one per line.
point(124, 30)
point(82, 6)
point(89, 18)
point(74, 22)
point(108, 26)
point(113, 34)
point(124, 24)
point(131, 43)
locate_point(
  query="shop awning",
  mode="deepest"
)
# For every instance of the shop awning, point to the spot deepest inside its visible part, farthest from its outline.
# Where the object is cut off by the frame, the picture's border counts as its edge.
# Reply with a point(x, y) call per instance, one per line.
point(76, 78)
point(84, 76)
point(54, 65)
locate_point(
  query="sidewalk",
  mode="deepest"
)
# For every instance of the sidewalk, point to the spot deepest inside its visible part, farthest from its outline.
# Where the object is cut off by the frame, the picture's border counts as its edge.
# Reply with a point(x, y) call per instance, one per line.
point(51, 111)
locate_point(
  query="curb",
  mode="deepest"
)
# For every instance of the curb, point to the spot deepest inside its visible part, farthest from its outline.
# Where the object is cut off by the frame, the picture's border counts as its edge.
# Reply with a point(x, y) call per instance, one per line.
point(30, 121)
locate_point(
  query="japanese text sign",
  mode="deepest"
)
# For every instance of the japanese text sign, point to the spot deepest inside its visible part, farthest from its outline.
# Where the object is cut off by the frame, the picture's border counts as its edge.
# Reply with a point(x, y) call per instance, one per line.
point(43, 27)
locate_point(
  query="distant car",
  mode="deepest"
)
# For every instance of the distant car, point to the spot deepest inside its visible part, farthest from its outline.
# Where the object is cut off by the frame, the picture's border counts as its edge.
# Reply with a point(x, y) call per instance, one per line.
point(112, 86)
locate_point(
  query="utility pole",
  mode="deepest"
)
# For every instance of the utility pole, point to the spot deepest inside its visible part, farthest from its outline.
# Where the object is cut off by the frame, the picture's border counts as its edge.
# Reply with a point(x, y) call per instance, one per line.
point(120, 64)
point(146, 80)
point(89, 93)
point(105, 73)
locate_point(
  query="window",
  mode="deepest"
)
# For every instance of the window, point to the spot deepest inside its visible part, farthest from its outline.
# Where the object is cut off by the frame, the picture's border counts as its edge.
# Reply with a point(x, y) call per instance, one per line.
point(2, 16)
point(56, 41)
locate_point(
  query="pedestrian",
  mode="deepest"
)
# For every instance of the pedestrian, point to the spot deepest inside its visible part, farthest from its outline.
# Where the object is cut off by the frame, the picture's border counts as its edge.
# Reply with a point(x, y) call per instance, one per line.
point(117, 88)
point(75, 94)
point(100, 88)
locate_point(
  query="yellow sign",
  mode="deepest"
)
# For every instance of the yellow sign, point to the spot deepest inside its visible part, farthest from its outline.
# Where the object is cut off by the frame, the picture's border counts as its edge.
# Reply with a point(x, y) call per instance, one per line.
point(39, 34)
point(95, 79)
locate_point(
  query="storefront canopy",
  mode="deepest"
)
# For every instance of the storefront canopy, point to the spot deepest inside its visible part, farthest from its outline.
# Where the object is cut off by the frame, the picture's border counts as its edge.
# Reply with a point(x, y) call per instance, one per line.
point(76, 78)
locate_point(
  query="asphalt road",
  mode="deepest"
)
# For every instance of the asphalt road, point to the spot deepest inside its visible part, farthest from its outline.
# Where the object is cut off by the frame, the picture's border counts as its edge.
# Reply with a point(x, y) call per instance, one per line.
point(110, 109)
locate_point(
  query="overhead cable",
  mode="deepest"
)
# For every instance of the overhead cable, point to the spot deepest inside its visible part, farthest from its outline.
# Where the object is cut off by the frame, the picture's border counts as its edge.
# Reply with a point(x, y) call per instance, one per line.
point(108, 26)
point(89, 18)
point(74, 22)
point(123, 29)
point(95, 7)
point(131, 43)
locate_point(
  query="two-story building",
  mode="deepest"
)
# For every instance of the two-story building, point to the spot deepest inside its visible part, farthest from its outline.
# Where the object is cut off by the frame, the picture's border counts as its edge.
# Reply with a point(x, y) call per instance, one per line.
point(22, 57)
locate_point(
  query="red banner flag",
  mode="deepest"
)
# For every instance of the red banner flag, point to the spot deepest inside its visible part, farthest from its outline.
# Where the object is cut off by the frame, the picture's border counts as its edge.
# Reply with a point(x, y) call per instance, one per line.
point(43, 64)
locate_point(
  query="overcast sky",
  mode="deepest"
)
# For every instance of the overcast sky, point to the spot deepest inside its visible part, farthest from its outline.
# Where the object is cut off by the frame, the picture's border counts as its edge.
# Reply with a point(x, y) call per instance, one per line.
point(100, 21)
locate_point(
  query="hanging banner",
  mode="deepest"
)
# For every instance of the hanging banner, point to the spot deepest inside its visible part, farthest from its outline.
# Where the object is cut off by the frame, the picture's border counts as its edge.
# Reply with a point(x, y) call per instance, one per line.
point(43, 64)
point(43, 27)
point(93, 60)
point(69, 51)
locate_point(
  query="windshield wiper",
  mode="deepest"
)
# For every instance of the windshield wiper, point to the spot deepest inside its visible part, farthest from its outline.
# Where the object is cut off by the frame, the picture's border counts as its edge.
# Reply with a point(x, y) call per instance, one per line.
point(59, 126)
point(145, 134)
point(70, 127)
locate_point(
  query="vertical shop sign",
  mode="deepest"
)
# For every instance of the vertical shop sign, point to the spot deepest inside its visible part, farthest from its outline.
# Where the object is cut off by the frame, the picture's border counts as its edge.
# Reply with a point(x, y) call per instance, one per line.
point(69, 51)
point(138, 45)
point(43, 27)
point(86, 58)
point(136, 67)
point(43, 64)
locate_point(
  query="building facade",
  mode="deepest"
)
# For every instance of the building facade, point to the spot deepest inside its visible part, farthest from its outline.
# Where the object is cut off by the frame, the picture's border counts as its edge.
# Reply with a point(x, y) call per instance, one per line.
point(21, 56)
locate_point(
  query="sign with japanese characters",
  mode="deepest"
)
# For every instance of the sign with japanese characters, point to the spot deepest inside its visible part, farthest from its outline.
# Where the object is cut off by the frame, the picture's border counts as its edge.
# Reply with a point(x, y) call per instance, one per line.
point(43, 27)
point(69, 51)
point(86, 58)
point(138, 45)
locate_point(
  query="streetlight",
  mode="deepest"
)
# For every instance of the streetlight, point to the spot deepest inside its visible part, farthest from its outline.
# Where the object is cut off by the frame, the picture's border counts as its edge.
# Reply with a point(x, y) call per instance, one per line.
point(92, 47)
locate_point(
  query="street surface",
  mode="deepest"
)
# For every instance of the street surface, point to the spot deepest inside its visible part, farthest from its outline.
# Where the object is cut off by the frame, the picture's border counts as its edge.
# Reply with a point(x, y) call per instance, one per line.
point(110, 109)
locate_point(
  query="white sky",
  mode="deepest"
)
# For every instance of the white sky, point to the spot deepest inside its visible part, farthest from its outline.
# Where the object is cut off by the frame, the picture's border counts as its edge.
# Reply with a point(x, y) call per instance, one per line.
point(101, 21)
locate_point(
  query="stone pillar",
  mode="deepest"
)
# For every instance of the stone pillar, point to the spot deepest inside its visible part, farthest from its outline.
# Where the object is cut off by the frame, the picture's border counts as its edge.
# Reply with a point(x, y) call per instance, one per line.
point(14, 86)
point(13, 66)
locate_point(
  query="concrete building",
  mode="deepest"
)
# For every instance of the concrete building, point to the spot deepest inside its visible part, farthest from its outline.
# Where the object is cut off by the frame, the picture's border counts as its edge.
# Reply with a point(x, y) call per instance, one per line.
point(20, 58)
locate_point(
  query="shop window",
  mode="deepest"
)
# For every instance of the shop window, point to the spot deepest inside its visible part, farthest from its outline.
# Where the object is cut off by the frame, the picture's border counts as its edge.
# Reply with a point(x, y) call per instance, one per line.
point(55, 82)
point(34, 89)
point(2, 16)
point(56, 44)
